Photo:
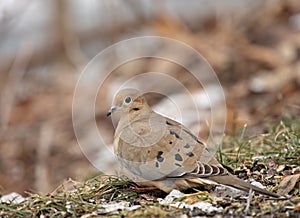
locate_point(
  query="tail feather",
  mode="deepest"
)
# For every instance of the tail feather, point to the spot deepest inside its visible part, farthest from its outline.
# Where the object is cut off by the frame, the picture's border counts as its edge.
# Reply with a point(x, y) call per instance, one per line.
point(240, 184)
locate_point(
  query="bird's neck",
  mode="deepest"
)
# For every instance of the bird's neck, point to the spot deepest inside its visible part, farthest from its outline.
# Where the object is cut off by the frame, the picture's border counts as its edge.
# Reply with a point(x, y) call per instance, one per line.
point(134, 114)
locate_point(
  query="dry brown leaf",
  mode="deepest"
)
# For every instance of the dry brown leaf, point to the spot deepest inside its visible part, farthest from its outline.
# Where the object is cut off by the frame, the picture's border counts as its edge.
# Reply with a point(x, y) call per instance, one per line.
point(287, 184)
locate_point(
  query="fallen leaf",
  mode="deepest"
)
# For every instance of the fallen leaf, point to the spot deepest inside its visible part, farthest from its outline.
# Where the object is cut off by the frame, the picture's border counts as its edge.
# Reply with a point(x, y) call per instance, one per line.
point(287, 184)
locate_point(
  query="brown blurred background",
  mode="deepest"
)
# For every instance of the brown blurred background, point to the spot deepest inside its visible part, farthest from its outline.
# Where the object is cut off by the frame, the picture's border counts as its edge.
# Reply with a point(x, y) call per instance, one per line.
point(253, 46)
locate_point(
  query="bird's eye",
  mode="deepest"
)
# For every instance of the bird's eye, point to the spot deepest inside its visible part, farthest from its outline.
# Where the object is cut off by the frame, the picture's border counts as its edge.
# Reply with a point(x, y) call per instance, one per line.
point(127, 100)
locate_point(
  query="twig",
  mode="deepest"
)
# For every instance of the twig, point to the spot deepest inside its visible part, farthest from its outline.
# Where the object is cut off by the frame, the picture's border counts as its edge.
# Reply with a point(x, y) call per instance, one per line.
point(15, 76)
point(70, 41)
point(247, 210)
point(42, 182)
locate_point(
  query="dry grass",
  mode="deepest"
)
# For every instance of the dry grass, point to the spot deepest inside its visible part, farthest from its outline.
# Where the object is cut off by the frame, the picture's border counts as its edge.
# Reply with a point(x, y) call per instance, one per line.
point(279, 146)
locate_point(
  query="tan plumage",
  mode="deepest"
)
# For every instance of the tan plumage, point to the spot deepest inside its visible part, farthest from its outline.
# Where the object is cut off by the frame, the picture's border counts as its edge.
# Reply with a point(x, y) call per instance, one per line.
point(162, 152)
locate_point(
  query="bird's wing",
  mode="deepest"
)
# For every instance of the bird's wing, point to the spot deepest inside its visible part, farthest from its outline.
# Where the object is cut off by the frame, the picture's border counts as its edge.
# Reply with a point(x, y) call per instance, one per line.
point(157, 147)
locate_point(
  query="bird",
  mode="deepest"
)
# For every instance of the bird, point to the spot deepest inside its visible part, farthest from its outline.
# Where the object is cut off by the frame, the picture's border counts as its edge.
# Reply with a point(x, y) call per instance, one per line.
point(159, 152)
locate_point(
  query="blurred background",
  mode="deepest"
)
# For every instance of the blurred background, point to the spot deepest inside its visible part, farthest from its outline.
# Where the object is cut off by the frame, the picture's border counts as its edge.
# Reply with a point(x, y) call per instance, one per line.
point(253, 46)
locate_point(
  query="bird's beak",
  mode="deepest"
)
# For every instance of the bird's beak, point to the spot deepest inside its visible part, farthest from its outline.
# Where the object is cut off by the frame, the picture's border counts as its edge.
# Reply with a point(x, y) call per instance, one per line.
point(111, 110)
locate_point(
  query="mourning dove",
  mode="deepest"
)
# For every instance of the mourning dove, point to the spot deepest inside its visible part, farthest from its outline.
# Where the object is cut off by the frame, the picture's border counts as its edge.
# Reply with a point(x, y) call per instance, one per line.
point(162, 152)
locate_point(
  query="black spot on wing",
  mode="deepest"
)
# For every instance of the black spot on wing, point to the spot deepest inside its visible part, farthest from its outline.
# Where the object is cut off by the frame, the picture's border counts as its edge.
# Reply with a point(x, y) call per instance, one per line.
point(177, 164)
point(178, 157)
point(190, 154)
point(159, 157)
point(187, 146)
point(156, 164)
point(172, 132)
point(193, 136)
point(168, 123)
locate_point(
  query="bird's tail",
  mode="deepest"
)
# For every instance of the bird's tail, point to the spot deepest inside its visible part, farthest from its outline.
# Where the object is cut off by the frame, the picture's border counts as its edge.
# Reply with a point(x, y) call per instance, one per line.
point(240, 184)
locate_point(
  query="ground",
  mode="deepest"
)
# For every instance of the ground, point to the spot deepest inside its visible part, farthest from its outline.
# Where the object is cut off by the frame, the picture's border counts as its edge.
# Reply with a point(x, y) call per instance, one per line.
point(271, 158)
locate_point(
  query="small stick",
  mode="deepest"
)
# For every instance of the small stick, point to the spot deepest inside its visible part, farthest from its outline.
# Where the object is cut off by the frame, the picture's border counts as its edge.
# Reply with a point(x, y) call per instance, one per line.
point(247, 210)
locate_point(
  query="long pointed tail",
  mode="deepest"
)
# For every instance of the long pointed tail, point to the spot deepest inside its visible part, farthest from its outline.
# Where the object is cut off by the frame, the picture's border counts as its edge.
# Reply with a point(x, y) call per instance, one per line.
point(240, 184)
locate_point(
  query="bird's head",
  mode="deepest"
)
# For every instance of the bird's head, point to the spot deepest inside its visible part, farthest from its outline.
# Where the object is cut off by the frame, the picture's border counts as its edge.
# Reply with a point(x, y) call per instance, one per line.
point(128, 101)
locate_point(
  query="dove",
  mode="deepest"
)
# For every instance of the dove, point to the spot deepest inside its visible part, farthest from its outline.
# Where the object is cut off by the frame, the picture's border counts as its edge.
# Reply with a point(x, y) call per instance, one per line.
point(163, 153)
